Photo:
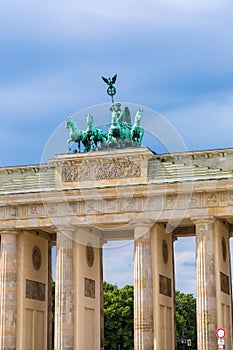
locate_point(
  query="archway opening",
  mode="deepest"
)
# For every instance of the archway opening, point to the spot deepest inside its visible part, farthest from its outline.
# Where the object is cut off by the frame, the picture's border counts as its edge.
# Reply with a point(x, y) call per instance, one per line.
point(185, 285)
point(118, 274)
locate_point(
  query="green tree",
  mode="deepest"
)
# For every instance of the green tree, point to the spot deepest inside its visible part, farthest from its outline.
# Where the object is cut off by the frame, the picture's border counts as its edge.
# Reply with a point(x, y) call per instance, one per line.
point(186, 317)
point(118, 317)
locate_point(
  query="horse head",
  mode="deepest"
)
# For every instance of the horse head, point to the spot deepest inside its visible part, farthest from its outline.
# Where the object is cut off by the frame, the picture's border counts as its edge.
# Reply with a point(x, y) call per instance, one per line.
point(90, 121)
point(68, 122)
point(138, 116)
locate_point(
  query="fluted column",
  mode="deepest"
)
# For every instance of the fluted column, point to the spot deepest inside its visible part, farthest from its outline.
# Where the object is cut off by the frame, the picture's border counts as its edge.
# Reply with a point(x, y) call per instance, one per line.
point(64, 294)
point(101, 301)
point(8, 290)
point(143, 292)
point(206, 288)
point(50, 297)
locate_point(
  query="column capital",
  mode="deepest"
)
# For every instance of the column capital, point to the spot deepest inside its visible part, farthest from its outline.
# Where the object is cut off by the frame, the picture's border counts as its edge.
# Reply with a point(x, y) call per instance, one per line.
point(142, 223)
point(66, 230)
point(147, 223)
point(203, 219)
point(65, 227)
point(9, 232)
point(142, 228)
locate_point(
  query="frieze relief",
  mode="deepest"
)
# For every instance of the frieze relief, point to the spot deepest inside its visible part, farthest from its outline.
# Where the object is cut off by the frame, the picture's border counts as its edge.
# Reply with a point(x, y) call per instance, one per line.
point(229, 197)
point(13, 211)
point(70, 208)
point(131, 204)
point(35, 210)
point(2, 212)
point(52, 209)
point(101, 171)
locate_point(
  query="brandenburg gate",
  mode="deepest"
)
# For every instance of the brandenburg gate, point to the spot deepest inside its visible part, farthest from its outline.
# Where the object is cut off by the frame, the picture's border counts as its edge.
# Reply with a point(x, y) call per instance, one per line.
point(78, 202)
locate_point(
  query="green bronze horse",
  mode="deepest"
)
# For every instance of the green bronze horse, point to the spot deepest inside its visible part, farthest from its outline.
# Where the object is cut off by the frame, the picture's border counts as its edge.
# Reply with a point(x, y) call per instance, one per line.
point(91, 138)
point(76, 135)
point(95, 137)
point(137, 131)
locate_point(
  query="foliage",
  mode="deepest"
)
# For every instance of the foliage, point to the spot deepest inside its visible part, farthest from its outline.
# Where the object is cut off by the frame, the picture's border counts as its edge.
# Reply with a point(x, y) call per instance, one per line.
point(118, 317)
point(186, 317)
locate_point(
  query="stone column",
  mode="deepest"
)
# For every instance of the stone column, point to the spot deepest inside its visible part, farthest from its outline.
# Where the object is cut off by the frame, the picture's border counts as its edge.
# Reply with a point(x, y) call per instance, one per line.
point(143, 292)
point(101, 300)
point(64, 294)
point(206, 288)
point(50, 297)
point(8, 290)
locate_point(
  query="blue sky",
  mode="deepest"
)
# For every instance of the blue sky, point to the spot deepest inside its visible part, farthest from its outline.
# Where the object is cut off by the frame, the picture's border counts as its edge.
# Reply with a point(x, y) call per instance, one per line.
point(173, 56)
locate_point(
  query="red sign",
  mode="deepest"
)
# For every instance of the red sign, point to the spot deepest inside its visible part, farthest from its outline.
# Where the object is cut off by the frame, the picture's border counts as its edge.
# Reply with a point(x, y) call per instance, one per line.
point(220, 333)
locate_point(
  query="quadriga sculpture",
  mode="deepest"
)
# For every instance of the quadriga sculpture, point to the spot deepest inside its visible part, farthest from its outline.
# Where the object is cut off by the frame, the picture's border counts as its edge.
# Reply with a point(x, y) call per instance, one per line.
point(121, 133)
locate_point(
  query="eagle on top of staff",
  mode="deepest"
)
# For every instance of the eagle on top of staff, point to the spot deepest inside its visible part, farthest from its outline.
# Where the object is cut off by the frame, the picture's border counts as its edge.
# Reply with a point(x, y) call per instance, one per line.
point(111, 90)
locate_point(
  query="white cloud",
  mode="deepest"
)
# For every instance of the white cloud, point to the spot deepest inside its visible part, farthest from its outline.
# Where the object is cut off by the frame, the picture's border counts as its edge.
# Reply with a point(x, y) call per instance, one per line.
point(73, 19)
point(205, 124)
point(185, 259)
point(172, 55)
point(118, 263)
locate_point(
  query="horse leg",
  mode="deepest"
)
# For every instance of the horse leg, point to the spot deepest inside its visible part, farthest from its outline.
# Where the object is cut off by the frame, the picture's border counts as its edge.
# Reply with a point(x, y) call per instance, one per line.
point(68, 144)
point(79, 149)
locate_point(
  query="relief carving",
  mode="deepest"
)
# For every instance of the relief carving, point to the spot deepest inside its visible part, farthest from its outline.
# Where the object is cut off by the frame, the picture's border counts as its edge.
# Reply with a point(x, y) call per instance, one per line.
point(225, 283)
point(52, 209)
point(230, 198)
point(71, 208)
point(83, 207)
point(2, 213)
point(194, 201)
point(36, 258)
point(90, 207)
point(34, 210)
point(110, 206)
point(35, 290)
point(212, 198)
point(165, 286)
point(69, 174)
point(13, 211)
point(171, 201)
point(89, 288)
point(104, 171)
point(90, 255)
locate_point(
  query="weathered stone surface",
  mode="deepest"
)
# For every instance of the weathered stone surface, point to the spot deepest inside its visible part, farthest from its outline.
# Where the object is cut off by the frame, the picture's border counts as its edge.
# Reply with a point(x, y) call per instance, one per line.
point(143, 291)
point(64, 307)
point(8, 290)
point(110, 192)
